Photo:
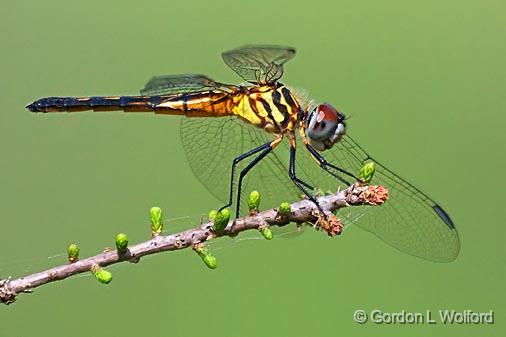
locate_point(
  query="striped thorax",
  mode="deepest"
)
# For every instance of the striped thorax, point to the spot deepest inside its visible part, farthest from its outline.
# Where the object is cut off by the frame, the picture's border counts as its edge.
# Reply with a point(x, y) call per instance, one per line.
point(273, 108)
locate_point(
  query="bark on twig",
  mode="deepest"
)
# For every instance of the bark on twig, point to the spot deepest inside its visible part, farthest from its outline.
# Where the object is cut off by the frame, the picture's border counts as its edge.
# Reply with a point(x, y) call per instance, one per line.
point(301, 211)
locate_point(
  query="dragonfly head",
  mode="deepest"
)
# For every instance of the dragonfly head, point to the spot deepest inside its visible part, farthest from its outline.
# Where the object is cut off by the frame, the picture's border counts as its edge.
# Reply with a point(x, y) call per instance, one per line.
point(324, 126)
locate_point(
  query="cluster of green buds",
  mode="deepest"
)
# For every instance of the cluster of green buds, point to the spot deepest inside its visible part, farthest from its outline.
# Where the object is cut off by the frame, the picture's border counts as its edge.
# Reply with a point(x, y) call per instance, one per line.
point(73, 252)
point(156, 220)
point(367, 172)
point(204, 253)
point(103, 276)
point(122, 243)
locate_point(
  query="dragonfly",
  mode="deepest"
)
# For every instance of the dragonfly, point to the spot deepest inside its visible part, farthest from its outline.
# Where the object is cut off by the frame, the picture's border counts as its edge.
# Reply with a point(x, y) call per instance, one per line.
point(242, 137)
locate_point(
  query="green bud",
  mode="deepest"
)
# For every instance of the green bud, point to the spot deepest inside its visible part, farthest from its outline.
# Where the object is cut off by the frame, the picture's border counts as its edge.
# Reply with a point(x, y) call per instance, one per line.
point(266, 232)
point(285, 209)
point(209, 260)
point(254, 201)
point(367, 172)
point(122, 242)
point(221, 220)
point(156, 220)
point(73, 252)
point(212, 215)
point(102, 275)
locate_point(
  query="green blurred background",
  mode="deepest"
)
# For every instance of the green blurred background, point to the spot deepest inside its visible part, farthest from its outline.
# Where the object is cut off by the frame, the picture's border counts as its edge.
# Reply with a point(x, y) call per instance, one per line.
point(424, 82)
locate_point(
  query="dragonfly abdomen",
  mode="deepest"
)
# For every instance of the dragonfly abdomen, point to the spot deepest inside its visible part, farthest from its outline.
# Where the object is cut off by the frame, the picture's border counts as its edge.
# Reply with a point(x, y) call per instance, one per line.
point(96, 103)
point(192, 105)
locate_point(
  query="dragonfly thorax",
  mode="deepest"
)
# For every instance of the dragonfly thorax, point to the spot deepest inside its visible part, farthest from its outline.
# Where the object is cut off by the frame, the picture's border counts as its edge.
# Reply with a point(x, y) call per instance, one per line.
point(271, 107)
point(324, 126)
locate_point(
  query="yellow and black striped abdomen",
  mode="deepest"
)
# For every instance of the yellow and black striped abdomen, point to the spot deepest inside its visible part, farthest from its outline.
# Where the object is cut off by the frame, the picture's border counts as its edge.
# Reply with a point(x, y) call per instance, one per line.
point(202, 104)
point(272, 108)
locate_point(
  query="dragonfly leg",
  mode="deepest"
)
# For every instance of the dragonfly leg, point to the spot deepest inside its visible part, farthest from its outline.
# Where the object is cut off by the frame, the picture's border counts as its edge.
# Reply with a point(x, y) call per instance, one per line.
point(299, 183)
point(325, 165)
point(264, 150)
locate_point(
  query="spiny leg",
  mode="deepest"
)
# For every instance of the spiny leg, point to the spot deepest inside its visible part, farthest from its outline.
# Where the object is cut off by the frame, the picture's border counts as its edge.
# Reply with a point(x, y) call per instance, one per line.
point(236, 161)
point(311, 188)
point(325, 165)
point(299, 183)
point(266, 149)
point(243, 174)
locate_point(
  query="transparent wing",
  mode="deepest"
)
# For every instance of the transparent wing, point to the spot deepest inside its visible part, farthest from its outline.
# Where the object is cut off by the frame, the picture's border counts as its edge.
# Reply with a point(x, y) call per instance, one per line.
point(259, 64)
point(409, 221)
point(177, 84)
point(211, 144)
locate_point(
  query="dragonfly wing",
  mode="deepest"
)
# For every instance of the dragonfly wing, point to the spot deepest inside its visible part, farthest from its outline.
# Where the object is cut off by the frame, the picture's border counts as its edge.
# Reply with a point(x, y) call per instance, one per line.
point(409, 221)
point(259, 64)
point(211, 144)
point(178, 84)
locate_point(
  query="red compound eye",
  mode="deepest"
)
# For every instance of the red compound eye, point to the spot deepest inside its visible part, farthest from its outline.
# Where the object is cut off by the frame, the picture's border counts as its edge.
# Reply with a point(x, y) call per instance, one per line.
point(327, 112)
